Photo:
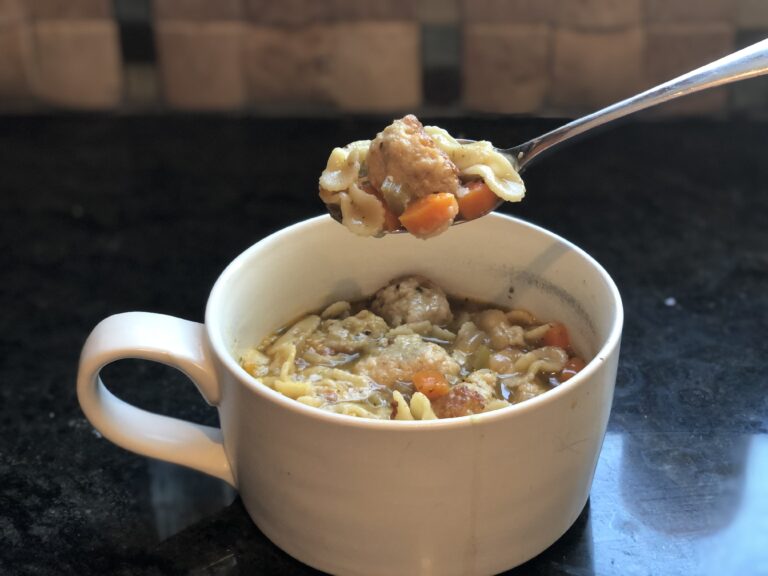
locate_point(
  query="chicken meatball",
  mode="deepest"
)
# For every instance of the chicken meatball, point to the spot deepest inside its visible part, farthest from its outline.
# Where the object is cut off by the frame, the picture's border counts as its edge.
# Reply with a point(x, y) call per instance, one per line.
point(412, 299)
point(349, 335)
point(469, 397)
point(405, 356)
point(405, 164)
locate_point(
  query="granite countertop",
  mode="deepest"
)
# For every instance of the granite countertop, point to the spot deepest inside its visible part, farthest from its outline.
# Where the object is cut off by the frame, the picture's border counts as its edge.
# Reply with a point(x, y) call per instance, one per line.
point(102, 214)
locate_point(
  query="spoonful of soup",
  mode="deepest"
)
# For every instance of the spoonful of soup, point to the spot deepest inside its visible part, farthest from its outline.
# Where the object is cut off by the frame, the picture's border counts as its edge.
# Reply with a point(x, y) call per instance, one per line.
point(419, 179)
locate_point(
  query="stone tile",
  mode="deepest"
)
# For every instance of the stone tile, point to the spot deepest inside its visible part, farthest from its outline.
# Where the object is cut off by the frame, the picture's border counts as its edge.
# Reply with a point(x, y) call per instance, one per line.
point(308, 12)
point(507, 96)
point(325, 65)
point(752, 14)
point(287, 66)
point(288, 12)
point(11, 11)
point(200, 64)
point(675, 49)
point(593, 69)
point(77, 63)
point(14, 61)
point(437, 11)
point(493, 51)
point(506, 67)
point(685, 11)
point(374, 9)
point(376, 67)
point(508, 11)
point(69, 9)
point(198, 9)
point(599, 14)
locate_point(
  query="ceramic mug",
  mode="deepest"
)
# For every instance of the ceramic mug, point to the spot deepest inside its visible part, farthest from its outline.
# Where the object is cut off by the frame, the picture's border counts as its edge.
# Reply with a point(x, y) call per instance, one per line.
point(473, 495)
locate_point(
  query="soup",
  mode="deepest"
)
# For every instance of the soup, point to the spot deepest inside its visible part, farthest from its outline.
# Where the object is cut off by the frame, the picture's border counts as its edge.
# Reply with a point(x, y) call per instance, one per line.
point(411, 352)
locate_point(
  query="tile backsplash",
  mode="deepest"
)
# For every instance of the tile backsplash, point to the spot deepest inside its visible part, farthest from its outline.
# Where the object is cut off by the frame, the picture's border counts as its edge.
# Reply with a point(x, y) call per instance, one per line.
point(543, 57)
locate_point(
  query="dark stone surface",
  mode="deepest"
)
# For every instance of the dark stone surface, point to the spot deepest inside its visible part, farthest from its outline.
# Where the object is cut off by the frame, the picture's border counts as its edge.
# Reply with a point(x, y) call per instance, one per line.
point(106, 214)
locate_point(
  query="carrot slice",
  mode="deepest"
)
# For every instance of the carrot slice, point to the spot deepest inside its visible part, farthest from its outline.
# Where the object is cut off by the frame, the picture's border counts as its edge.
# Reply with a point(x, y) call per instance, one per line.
point(476, 200)
point(571, 368)
point(557, 335)
point(431, 383)
point(430, 215)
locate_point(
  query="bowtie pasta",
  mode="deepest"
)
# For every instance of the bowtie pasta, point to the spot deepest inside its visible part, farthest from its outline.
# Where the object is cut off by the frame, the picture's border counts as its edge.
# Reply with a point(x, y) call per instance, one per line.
point(415, 177)
point(412, 353)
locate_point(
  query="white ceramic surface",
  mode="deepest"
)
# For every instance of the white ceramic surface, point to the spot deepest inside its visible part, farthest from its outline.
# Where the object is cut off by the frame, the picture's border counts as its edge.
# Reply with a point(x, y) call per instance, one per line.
point(472, 495)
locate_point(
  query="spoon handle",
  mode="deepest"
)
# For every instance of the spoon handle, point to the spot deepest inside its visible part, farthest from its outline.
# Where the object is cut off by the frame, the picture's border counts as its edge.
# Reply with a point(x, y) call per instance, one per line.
point(746, 63)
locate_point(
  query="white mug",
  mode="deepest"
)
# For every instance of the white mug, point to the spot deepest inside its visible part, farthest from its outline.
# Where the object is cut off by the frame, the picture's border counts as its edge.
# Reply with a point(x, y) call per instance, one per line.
point(473, 495)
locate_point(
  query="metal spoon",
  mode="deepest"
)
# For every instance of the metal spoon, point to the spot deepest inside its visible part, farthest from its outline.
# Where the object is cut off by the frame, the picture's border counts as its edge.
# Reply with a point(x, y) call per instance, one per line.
point(746, 63)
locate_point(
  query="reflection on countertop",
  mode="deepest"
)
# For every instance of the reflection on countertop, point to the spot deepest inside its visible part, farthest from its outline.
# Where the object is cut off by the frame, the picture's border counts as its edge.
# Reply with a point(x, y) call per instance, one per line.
point(705, 530)
point(106, 214)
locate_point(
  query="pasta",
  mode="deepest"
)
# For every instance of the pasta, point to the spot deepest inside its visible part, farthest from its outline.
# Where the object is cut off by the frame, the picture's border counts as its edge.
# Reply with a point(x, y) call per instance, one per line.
point(481, 159)
point(415, 177)
point(410, 352)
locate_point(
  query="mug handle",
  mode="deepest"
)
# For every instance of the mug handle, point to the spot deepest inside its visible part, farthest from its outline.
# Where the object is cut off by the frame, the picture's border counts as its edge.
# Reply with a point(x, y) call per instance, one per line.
point(178, 343)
